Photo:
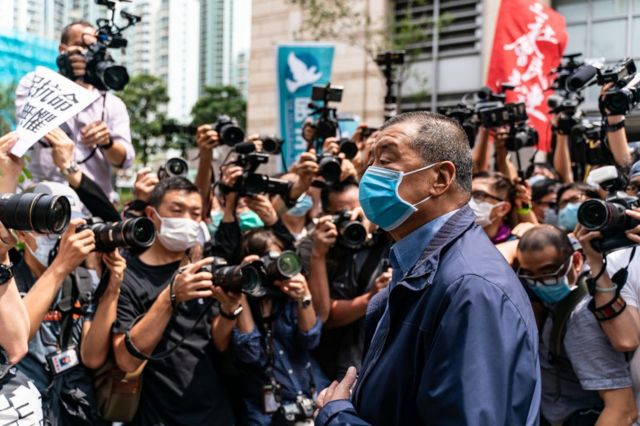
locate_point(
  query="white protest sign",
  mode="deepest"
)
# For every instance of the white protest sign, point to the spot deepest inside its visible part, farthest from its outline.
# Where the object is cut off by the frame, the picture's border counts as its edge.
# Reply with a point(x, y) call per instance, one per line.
point(52, 100)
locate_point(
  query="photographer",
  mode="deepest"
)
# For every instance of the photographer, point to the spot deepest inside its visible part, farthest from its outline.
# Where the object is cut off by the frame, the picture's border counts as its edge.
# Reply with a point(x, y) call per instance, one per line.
point(492, 199)
point(570, 198)
point(544, 201)
point(273, 338)
point(343, 278)
point(101, 131)
point(633, 188)
point(163, 307)
point(584, 381)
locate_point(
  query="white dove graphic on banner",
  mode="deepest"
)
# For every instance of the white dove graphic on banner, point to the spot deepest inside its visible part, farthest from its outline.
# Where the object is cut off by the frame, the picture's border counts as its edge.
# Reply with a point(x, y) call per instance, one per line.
point(302, 75)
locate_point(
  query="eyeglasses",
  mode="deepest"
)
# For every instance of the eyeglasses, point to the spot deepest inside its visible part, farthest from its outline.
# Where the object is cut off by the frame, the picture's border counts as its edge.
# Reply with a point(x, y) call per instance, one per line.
point(545, 279)
point(550, 204)
point(481, 196)
point(575, 199)
point(633, 188)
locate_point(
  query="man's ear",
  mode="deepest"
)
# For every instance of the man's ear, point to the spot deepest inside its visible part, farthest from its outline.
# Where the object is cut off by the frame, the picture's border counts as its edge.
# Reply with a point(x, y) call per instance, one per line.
point(445, 176)
point(577, 261)
point(503, 208)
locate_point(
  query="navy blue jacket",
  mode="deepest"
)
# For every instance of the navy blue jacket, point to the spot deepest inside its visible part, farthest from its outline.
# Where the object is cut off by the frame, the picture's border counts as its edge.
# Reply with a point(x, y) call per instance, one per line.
point(454, 341)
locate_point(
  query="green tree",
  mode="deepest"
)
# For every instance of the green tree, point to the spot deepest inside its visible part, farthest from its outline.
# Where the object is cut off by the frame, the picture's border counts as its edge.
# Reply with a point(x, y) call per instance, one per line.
point(146, 98)
point(7, 107)
point(218, 100)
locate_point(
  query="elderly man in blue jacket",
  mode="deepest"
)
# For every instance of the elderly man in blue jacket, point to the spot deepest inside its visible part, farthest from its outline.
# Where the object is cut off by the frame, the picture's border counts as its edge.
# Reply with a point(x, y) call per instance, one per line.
point(453, 340)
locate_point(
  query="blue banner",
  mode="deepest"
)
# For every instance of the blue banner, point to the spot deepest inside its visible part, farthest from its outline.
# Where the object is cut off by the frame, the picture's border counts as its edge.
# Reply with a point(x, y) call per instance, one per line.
point(300, 66)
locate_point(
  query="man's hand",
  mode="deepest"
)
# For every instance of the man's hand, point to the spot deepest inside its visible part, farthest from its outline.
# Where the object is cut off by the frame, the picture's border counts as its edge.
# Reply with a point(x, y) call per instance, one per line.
point(74, 247)
point(347, 169)
point(324, 236)
point(10, 165)
point(295, 287)
point(191, 284)
point(594, 258)
point(523, 194)
point(338, 391)
point(207, 138)
point(145, 182)
point(62, 148)
point(634, 233)
point(230, 175)
point(263, 208)
point(116, 265)
point(330, 146)
point(229, 302)
point(95, 134)
point(7, 242)
point(77, 60)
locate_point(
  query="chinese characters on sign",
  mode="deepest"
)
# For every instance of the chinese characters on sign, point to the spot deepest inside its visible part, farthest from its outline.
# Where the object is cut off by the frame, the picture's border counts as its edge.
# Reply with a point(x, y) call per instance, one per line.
point(52, 100)
point(529, 42)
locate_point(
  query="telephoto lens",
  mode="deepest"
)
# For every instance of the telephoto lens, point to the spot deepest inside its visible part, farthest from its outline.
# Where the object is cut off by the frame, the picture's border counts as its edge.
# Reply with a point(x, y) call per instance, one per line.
point(271, 144)
point(137, 234)
point(246, 279)
point(351, 233)
point(598, 215)
point(228, 131)
point(330, 168)
point(348, 147)
point(175, 166)
point(281, 266)
point(45, 214)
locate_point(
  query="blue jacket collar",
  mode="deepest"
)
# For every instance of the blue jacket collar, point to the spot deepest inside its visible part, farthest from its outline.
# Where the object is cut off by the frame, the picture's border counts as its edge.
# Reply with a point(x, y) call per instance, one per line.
point(427, 264)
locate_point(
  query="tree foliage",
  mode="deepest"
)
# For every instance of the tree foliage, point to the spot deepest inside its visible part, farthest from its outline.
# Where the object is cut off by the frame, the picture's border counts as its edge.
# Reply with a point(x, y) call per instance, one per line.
point(7, 107)
point(146, 99)
point(218, 100)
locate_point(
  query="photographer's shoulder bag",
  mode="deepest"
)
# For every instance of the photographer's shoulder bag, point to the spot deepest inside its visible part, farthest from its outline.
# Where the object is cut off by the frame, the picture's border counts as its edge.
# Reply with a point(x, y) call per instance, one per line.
point(117, 392)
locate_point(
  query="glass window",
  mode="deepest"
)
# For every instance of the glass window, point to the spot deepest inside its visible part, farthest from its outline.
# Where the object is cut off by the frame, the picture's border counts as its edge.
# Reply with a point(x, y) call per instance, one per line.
point(573, 10)
point(636, 6)
point(608, 8)
point(635, 37)
point(577, 39)
point(608, 40)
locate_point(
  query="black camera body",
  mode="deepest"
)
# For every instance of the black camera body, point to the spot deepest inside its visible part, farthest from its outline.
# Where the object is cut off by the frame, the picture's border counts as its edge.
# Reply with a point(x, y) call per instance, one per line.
point(623, 97)
point(299, 411)
point(175, 166)
point(609, 217)
point(503, 115)
point(137, 234)
point(271, 144)
point(522, 136)
point(617, 72)
point(29, 211)
point(351, 233)
point(330, 167)
point(256, 278)
point(252, 183)
point(326, 126)
point(228, 130)
point(465, 116)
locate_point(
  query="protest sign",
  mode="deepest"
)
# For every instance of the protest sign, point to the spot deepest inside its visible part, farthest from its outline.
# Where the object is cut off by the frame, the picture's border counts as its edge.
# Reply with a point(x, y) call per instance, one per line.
point(52, 100)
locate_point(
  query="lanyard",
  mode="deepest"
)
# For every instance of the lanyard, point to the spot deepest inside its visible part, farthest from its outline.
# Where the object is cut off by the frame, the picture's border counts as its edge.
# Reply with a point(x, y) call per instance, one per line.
point(95, 148)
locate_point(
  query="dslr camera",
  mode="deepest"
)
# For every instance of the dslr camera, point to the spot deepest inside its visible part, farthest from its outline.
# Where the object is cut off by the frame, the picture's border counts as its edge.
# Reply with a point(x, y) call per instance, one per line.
point(465, 116)
point(252, 183)
point(625, 94)
point(229, 132)
point(330, 166)
point(175, 166)
point(609, 216)
point(256, 278)
point(41, 213)
point(503, 115)
point(101, 70)
point(137, 234)
point(351, 233)
point(327, 124)
point(294, 412)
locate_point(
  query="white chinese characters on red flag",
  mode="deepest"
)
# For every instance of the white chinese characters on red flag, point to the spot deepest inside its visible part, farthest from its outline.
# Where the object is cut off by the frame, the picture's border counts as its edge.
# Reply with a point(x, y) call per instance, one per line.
point(529, 42)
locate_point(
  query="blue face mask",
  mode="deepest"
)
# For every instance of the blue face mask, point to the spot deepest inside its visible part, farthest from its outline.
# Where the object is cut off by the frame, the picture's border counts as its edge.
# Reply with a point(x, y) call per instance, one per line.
point(303, 205)
point(551, 216)
point(552, 293)
point(249, 220)
point(568, 217)
point(380, 200)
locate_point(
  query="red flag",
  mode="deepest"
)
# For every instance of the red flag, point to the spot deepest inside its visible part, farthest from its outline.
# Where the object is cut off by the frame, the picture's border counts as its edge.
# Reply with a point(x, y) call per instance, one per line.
point(528, 43)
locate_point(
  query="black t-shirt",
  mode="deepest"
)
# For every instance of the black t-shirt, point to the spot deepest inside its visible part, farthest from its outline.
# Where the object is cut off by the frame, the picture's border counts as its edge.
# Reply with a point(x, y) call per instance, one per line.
point(185, 388)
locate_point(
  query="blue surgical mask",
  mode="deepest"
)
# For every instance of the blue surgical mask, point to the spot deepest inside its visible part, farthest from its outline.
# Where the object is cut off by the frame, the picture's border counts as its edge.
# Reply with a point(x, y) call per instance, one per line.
point(380, 200)
point(568, 216)
point(303, 205)
point(551, 216)
point(552, 293)
point(216, 218)
point(249, 220)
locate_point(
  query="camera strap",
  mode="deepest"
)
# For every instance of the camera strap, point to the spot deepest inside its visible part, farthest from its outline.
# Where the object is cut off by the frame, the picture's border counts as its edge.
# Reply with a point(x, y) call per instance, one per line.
point(95, 148)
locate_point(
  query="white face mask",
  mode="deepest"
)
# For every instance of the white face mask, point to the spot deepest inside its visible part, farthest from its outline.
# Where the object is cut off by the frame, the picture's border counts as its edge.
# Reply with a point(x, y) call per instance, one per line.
point(482, 211)
point(44, 245)
point(179, 234)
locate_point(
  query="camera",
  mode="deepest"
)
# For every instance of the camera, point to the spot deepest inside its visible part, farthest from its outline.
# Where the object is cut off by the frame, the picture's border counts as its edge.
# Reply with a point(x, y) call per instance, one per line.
point(294, 412)
point(522, 136)
point(175, 166)
point(609, 216)
point(41, 213)
point(101, 70)
point(330, 167)
point(138, 233)
point(465, 116)
point(348, 147)
point(621, 100)
point(256, 278)
point(573, 75)
point(271, 144)
point(507, 114)
point(252, 183)
point(351, 233)
point(228, 131)
point(617, 72)
point(326, 125)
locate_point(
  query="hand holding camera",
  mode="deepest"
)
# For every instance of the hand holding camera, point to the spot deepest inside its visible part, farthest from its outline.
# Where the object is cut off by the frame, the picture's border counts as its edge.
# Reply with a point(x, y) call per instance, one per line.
point(192, 283)
point(74, 247)
point(207, 138)
point(381, 282)
point(10, 165)
point(7, 242)
point(324, 236)
point(263, 208)
point(116, 265)
point(77, 61)
point(585, 237)
point(145, 182)
point(633, 234)
point(295, 287)
point(96, 134)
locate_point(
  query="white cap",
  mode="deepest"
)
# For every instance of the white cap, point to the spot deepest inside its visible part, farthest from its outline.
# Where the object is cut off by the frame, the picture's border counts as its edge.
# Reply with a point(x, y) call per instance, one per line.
point(55, 188)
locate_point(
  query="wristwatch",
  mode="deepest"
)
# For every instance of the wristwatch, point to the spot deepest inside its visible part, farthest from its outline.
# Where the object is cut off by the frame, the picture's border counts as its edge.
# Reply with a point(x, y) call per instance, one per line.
point(233, 315)
point(305, 301)
point(6, 273)
point(107, 145)
point(73, 168)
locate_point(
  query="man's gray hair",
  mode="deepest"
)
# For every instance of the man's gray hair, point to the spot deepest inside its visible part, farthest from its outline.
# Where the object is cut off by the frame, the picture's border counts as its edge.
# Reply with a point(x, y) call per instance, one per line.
point(439, 138)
